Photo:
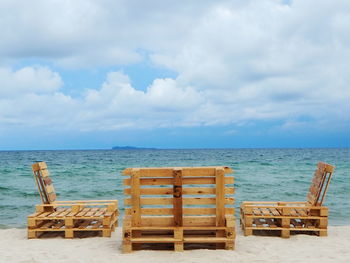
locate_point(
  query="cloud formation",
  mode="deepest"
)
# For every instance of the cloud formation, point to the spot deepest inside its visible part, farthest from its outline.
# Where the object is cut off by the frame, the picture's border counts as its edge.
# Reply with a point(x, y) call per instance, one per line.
point(236, 62)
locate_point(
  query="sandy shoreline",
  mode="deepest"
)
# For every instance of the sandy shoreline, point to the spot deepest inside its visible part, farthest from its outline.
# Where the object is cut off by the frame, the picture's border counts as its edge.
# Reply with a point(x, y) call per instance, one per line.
point(14, 247)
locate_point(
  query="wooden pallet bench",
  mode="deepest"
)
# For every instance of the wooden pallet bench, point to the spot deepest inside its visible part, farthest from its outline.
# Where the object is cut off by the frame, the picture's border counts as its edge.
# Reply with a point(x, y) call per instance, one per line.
point(178, 208)
point(69, 218)
point(285, 218)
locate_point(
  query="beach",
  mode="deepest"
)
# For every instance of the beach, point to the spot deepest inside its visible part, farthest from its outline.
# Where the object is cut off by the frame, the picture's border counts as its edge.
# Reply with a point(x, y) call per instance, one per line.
point(15, 247)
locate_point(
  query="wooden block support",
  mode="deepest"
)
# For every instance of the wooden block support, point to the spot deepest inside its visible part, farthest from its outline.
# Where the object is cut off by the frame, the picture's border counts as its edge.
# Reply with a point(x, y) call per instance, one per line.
point(178, 234)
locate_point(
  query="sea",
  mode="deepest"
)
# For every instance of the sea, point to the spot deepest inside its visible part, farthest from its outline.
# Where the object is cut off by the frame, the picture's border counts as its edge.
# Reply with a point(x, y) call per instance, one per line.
point(260, 175)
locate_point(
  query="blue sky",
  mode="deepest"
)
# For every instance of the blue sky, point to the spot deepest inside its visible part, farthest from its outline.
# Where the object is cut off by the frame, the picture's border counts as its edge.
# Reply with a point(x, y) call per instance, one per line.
point(216, 74)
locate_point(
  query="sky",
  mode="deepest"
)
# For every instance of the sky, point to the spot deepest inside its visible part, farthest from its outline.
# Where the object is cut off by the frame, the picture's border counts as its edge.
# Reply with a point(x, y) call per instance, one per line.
point(92, 74)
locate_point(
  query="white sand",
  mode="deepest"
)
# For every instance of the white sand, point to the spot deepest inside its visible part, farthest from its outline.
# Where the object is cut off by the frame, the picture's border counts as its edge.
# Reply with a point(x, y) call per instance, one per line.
point(14, 247)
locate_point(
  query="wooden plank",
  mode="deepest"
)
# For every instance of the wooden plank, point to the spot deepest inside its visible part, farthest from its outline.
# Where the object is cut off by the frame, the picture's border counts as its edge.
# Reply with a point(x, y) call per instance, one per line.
point(42, 165)
point(44, 173)
point(274, 211)
point(155, 239)
point(50, 189)
point(265, 211)
point(58, 224)
point(100, 212)
point(185, 201)
point(52, 197)
point(135, 196)
point(84, 224)
point(177, 197)
point(83, 212)
point(186, 171)
point(57, 213)
point(205, 239)
point(92, 211)
point(185, 181)
point(185, 211)
point(185, 191)
point(96, 225)
point(187, 221)
point(220, 197)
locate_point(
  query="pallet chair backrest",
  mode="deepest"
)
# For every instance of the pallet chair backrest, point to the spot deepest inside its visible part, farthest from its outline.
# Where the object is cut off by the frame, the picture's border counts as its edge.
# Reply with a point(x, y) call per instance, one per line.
point(178, 196)
point(319, 184)
point(44, 183)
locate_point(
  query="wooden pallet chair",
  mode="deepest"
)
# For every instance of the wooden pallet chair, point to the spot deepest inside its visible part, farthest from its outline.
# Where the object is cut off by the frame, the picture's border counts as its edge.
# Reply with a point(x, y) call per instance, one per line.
point(73, 218)
point(296, 217)
point(178, 208)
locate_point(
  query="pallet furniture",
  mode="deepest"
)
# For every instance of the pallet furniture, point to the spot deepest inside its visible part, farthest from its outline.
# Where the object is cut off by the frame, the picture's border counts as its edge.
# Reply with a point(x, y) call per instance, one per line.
point(178, 208)
point(71, 218)
point(296, 217)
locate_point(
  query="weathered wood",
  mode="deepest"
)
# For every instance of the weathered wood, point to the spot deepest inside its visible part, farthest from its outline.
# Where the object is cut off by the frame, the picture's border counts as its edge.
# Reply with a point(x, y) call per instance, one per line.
point(177, 197)
point(185, 191)
point(68, 217)
point(289, 217)
point(209, 222)
point(168, 171)
point(188, 180)
point(135, 197)
point(220, 197)
point(185, 201)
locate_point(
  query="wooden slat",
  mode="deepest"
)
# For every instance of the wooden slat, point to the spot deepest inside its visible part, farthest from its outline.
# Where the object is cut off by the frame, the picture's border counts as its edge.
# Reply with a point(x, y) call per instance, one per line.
point(47, 180)
point(220, 197)
point(155, 239)
point(52, 197)
point(205, 239)
point(92, 211)
point(50, 189)
point(256, 211)
point(83, 212)
point(185, 201)
point(187, 221)
point(57, 213)
point(185, 181)
point(167, 171)
point(84, 224)
point(46, 214)
point(177, 197)
point(185, 191)
point(66, 212)
point(44, 173)
point(274, 211)
point(97, 224)
point(58, 224)
point(48, 224)
point(42, 165)
point(265, 211)
point(100, 212)
point(186, 211)
point(135, 197)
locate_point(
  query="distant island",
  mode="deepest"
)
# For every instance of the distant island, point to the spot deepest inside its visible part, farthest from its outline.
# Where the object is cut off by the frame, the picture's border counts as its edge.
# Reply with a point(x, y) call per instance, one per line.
point(131, 148)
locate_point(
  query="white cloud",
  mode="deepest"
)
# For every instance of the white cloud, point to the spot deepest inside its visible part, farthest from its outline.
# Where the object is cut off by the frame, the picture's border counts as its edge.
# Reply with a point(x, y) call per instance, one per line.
point(236, 61)
point(36, 79)
point(115, 105)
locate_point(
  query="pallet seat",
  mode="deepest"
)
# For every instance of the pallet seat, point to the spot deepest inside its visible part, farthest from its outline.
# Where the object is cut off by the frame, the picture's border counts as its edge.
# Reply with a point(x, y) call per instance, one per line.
point(286, 217)
point(178, 208)
point(71, 218)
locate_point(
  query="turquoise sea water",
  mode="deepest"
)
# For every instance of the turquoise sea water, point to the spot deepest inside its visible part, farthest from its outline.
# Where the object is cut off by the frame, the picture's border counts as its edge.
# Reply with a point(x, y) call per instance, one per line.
point(260, 174)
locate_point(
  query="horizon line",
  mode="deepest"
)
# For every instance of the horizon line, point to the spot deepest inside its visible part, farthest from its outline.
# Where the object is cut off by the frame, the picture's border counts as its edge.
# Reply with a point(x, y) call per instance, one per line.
point(174, 148)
